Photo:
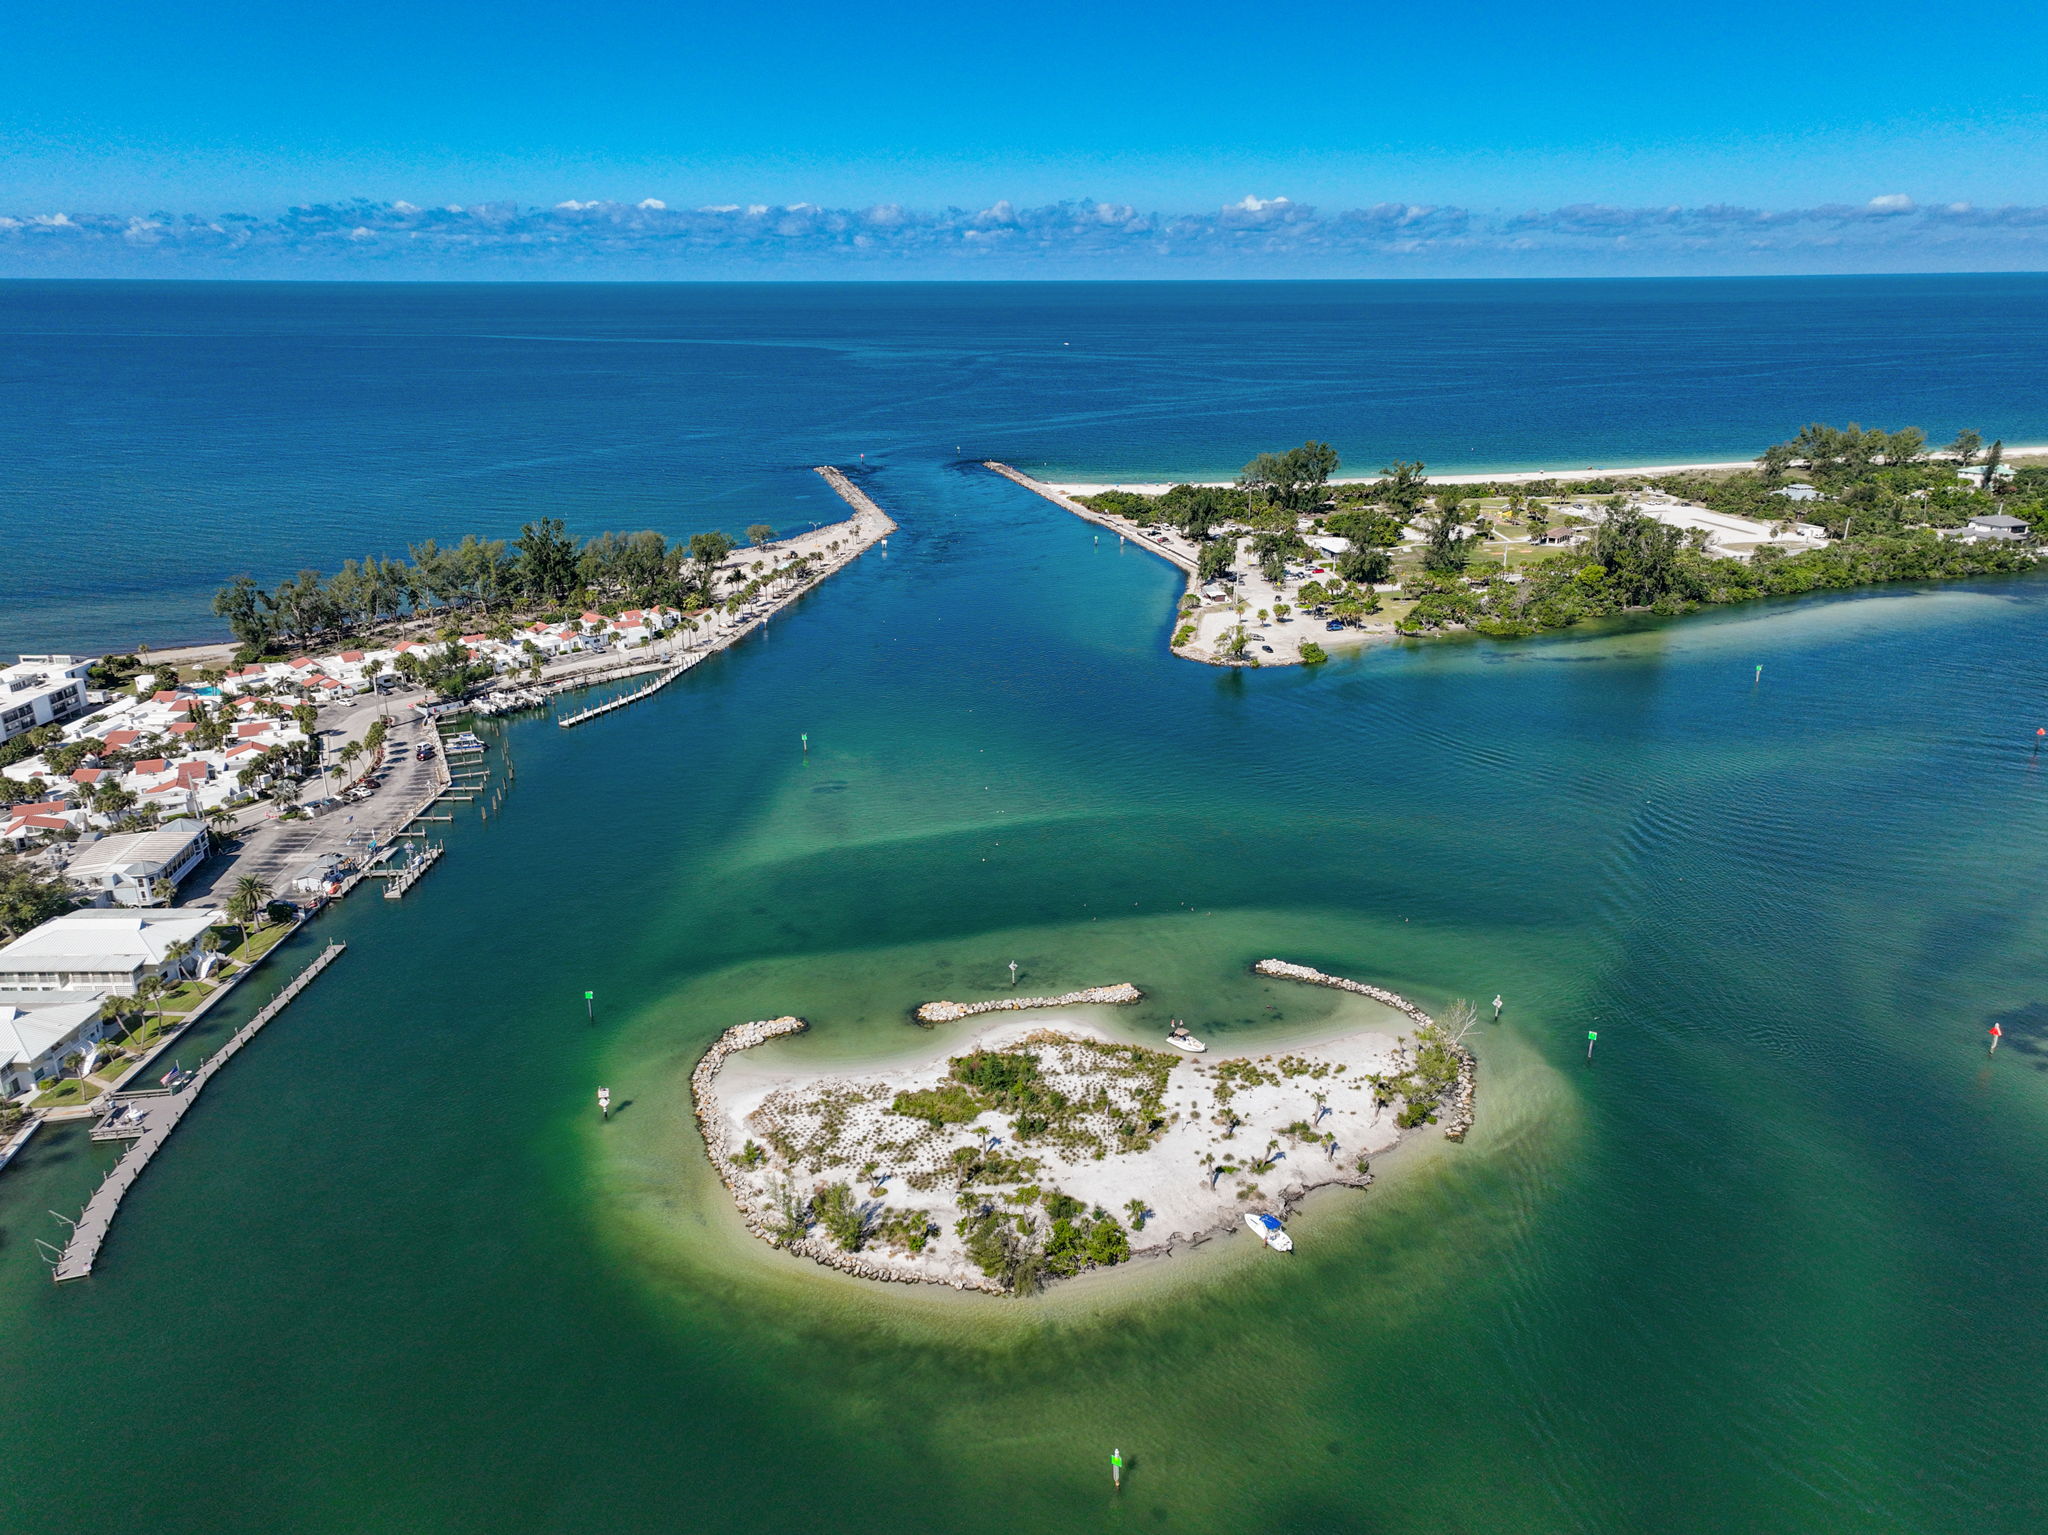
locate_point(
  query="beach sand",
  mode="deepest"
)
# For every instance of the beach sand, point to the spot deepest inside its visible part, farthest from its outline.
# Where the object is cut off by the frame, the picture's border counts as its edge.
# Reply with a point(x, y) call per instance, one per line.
point(1491, 477)
point(845, 1120)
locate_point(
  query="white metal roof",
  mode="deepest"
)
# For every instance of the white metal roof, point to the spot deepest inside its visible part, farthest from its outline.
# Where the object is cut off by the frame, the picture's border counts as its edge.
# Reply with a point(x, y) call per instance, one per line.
point(111, 939)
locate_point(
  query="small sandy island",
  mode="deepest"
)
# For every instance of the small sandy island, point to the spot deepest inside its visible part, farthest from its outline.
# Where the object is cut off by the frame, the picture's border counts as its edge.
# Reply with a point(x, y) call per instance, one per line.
point(1031, 1149)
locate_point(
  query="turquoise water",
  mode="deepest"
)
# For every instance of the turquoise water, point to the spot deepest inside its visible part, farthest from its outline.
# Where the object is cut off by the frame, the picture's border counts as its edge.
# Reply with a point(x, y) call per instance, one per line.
point(161, 436)
point(1772, 1261)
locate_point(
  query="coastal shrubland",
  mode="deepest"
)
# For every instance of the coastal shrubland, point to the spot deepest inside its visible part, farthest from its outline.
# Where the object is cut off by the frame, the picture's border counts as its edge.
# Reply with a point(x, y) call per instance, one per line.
point(1882, 499)
point(1029, 1153)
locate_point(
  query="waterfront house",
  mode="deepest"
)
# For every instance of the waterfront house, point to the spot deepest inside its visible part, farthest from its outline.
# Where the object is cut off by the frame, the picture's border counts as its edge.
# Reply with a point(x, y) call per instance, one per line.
point(123, 870)
point(1994, 525)
point(41, 690)
point(37, 1030)
point(100, 950)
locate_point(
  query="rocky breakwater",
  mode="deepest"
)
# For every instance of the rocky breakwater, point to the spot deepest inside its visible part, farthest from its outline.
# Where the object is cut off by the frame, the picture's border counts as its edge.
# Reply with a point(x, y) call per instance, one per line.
point(950, 1012)
point(715, 1126)
point(1459, 1102)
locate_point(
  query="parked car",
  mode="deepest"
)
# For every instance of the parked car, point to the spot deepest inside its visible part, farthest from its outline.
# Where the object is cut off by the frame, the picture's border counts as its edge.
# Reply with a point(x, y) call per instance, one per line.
point(1334, 625)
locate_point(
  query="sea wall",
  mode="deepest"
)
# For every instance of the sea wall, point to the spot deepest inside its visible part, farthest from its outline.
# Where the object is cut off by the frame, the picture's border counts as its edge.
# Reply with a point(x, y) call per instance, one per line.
point(949, 1012)
point(1123, 527)
point(716, 1128)
point(1459, 1110)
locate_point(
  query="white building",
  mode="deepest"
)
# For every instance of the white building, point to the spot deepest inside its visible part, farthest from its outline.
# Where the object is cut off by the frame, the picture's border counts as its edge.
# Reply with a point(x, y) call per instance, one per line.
point(38, 1031)
point(107, 950)
point(41, 690)
point(1991, 527)
point(123, 870)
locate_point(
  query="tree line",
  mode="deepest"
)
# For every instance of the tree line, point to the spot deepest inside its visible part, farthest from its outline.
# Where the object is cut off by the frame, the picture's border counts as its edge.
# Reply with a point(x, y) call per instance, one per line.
point(540, 570)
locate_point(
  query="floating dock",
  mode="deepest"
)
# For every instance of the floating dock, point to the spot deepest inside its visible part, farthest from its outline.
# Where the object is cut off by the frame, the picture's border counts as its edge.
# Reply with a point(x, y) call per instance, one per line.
point(148, 1117)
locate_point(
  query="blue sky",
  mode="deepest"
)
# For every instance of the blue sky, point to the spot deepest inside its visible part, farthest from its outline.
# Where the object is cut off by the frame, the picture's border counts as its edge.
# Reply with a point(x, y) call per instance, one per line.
point(122, 107)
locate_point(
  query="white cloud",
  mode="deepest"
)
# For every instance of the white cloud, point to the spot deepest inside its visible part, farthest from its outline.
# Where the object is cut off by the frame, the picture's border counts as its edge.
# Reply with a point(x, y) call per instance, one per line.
point(1253, 236)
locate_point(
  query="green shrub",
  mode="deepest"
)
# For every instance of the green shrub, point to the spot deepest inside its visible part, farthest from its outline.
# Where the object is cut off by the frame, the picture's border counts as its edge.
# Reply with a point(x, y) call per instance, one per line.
point(939, 1106)
point(1416, 1111)
point(1313, 654)
point(840, 1212)
point(1183, 634)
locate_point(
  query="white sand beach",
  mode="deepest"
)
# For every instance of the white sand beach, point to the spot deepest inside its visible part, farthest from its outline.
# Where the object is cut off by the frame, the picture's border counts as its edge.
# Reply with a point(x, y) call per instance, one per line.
point(1233, 1133)
point(1491, 477)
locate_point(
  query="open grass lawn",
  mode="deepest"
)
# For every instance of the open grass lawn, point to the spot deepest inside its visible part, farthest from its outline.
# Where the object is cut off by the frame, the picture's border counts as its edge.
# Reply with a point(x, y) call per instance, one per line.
point(260, 944)
point(188, 996)
point(66, 1090)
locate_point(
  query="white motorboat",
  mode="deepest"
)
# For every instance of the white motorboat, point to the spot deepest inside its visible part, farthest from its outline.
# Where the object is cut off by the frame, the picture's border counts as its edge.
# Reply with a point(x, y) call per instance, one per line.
point(1267, 1229)
point(1179, 1037)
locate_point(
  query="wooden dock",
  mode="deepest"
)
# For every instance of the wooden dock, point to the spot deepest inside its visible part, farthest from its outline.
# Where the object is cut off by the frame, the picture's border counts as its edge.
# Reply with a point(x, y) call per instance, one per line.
point(409, 876)
point(660, 682)
point(147, 1118)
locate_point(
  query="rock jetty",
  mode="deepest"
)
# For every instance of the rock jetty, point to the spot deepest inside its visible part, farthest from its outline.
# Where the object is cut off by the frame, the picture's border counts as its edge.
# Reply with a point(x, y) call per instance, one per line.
point(950, 1012)
point(1459, 1109)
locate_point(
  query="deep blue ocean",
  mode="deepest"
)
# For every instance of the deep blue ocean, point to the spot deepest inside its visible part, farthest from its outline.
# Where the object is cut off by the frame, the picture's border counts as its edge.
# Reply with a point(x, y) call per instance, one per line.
point(159, 437)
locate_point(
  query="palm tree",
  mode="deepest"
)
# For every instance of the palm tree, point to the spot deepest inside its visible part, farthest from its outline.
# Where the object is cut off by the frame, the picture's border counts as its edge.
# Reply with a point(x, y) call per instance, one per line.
point(178, 953)
point(116, 1011)
point(163, 891)
point(149, 991)
point(246, 903)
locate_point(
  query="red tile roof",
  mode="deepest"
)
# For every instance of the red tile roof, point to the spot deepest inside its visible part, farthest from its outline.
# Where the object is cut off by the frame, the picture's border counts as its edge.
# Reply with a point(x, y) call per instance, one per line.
point(122, 737)
point(38, 823)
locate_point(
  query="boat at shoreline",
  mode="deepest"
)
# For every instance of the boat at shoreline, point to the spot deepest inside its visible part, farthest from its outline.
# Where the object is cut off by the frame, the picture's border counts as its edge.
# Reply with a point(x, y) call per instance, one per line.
point(1179, 1037)
point(1267, 1229)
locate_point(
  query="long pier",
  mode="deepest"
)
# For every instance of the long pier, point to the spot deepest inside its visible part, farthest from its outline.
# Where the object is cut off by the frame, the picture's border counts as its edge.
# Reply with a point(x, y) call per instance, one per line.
point(1122, 527)
point(633, 697)
point(148, 1117)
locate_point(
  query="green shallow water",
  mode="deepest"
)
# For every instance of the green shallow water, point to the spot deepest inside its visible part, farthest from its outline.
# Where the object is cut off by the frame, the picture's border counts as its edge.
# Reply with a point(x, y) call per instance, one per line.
point(1773, 1261)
